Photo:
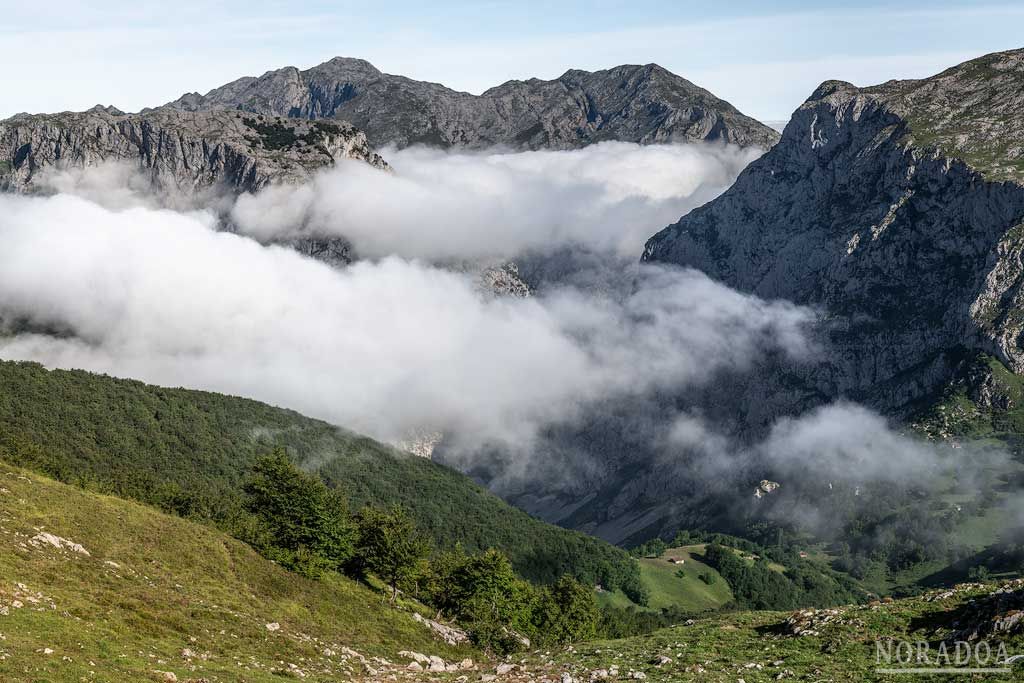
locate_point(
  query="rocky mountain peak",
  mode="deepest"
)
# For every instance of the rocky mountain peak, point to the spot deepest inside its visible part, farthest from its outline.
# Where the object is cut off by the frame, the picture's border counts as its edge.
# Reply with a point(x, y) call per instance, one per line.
point(350, 65)
point(971, 112)
point(632, 103)
point(829, 88)
point(106, 109)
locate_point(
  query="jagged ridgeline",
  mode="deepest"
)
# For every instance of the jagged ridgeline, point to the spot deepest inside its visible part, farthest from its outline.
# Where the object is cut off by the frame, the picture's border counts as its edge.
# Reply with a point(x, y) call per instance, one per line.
point(632, 103)
point(189, 452)
point(181, 152)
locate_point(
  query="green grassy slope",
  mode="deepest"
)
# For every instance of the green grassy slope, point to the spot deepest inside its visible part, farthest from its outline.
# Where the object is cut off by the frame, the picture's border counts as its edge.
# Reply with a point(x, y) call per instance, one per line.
point(160, 593)
point(667, 589)
point(955, 412)
point(755, 647)
point(188, 451)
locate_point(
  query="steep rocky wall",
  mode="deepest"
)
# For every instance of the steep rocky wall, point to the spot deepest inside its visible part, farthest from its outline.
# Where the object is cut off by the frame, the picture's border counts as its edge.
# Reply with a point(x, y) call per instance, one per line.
point(910, 254)
point(179, 151)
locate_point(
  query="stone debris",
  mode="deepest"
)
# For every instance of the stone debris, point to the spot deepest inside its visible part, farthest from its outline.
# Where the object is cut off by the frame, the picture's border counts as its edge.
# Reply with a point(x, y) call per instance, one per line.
point(765, 487)
point(503, 280)
point(415, 656)
point(1001, 613)
point(449, 634)
point(420, 443)
point(44, 538)
point(809, 622)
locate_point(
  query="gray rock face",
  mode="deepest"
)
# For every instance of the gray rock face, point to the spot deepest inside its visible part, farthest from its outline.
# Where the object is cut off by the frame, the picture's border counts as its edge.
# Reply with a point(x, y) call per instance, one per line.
point(644, 104)
point(180, 151)
point(899, 210)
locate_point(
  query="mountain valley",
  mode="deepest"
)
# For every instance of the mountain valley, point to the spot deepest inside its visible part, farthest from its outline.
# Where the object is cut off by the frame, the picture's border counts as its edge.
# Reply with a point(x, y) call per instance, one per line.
point(515, 442)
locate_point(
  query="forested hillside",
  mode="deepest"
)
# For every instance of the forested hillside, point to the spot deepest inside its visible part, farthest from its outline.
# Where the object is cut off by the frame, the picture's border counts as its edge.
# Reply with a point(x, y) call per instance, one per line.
point(188, 452)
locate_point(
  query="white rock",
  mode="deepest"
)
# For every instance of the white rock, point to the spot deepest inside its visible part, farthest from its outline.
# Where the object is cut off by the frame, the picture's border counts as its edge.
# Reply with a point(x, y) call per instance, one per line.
point(415, 656)
point(273, 626)
point(46, 538)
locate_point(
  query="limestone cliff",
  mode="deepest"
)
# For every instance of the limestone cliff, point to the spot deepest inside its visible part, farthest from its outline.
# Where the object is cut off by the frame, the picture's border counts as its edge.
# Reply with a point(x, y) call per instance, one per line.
point(899, 211)
point(179, 151)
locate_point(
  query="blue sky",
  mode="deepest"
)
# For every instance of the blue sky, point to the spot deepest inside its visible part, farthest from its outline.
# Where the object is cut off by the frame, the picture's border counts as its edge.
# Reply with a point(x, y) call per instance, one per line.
point(765, 58)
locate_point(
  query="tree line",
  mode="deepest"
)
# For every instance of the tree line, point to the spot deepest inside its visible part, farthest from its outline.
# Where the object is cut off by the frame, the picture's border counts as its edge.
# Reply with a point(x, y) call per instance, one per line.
point(188, 453)
point(304, 525)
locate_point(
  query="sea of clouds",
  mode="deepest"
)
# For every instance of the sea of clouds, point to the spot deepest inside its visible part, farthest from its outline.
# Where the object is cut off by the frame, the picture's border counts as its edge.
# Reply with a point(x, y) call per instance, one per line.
point(103, 275)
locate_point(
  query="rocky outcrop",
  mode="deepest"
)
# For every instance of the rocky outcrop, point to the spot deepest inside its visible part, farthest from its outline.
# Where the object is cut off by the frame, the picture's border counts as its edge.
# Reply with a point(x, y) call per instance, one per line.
point(898, 210)
point(998, 614)
point(181, 152)
point(503, 280)
point(644, 104)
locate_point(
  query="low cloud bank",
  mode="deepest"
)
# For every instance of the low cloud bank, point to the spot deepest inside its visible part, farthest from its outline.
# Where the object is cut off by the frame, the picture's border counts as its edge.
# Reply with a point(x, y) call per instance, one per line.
point(383, 347)
point(440, 205)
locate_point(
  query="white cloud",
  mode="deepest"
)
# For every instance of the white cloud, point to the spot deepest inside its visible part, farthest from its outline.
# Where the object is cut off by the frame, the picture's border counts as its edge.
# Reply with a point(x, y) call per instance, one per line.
point(848, 442)
point(382, 347)
point(437, 205)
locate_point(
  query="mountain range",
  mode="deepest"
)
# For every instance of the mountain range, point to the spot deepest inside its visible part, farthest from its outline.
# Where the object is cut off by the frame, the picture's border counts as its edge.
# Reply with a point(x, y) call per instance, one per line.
point(645, 104)
point(894, 212)
point(895, 208)
point(286, 124)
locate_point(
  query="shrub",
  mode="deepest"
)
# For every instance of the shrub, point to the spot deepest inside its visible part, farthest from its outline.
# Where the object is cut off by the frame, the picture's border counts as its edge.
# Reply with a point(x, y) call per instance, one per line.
point(302, 523)
point(389, 545)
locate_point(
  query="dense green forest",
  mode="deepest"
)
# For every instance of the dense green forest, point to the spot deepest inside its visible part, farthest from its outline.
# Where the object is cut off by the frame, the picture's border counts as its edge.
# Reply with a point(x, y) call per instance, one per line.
point(189, 452)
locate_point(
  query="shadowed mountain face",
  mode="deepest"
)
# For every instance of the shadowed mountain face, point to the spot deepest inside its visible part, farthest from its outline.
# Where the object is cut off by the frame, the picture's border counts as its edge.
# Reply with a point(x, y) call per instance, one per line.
point(644, 104)
point(899, 210)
